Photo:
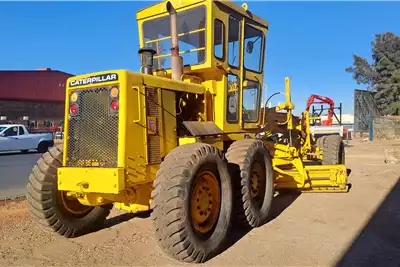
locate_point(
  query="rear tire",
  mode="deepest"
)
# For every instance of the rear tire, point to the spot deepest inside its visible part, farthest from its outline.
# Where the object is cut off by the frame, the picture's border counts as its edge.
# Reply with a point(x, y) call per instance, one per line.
point(50, 207)
point(252, 174)
point(333, 150)
point(186, 229)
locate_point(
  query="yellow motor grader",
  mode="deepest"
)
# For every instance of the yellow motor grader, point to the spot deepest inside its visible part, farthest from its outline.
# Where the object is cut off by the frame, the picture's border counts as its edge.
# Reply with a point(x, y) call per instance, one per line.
point(187, 138)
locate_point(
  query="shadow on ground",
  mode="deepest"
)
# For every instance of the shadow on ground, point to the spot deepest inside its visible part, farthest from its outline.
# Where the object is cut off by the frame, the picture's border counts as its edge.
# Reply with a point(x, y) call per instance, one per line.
point(378, 244)
point(123, 218)
point(280, 203)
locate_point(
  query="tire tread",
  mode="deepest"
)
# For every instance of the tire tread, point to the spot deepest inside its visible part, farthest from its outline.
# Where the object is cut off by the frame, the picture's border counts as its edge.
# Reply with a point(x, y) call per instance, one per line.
point(42, 199)
point(168, 202)
point(333, 147)
point(238, 156)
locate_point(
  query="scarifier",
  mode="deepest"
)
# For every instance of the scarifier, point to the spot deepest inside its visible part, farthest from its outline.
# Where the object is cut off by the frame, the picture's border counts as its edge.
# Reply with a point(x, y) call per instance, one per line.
point(187, 138)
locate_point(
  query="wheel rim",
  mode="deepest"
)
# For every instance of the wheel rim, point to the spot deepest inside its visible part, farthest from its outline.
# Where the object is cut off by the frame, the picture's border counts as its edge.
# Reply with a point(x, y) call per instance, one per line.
point(255, 180)
point(257, 183)
point(205, 201)
point(73, 206)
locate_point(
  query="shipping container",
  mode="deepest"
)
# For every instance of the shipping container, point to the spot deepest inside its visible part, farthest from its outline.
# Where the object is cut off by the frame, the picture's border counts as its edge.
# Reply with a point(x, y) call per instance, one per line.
point(34, 85)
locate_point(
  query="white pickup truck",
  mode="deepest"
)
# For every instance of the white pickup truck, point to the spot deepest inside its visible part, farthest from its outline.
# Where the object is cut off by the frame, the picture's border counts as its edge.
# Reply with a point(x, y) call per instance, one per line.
point(17, 137)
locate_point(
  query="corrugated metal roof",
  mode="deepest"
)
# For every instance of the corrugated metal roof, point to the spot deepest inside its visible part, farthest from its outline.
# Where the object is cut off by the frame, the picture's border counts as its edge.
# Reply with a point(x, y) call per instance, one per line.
point(33, 85)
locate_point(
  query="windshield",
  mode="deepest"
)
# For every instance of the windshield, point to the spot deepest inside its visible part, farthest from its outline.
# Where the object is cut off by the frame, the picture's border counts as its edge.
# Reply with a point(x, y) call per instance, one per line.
point(2, 128)
point(192, 36)
point(253, 44)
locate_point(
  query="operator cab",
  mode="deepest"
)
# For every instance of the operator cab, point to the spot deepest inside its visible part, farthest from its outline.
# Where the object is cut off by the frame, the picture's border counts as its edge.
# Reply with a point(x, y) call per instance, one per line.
point(222, 46)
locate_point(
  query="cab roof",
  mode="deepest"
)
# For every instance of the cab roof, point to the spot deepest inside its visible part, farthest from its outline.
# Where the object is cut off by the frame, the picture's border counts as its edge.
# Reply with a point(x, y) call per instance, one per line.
point(160, 8)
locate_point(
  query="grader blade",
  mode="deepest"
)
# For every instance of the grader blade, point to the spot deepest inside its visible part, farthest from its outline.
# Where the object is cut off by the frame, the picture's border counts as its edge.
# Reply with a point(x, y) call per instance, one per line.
point(319, 178)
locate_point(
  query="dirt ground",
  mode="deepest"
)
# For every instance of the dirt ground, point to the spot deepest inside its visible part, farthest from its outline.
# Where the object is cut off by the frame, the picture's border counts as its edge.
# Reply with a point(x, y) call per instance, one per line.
point(359, 228)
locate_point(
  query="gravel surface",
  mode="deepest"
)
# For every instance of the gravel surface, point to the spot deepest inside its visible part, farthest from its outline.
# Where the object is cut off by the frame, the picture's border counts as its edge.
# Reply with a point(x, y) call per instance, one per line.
point(359, 228)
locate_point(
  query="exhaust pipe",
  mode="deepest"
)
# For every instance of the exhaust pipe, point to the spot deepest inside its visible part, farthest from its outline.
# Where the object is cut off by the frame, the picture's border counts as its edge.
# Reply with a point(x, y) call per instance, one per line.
point(176, 60)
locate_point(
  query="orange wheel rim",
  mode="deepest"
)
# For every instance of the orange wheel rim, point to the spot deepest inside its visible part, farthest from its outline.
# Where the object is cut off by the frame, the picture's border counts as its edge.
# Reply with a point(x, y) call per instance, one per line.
point(205, 201)
point(256, 180)
point(72, 205)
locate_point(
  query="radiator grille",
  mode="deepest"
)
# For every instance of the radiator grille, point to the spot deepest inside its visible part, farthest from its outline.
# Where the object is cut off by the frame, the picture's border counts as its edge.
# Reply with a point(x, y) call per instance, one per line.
point(153, 140)
point(93, 132)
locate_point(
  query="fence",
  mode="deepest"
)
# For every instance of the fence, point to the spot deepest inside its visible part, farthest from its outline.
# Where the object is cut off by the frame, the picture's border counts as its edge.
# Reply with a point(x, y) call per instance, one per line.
point(365, 109)
point(386, 127)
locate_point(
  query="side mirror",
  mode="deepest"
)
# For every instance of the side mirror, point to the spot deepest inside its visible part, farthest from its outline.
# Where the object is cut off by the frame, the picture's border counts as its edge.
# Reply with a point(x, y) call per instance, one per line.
point(249, 47)
point(1, 134)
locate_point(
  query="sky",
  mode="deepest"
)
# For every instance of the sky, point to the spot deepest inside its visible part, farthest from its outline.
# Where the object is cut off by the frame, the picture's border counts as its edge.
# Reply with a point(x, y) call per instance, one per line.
point(310, 42)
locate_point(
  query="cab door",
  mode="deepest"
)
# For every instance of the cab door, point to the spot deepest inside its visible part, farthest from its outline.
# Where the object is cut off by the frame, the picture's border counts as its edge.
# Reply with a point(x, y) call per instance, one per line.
point(9, 139)
point(252, 63)
point(234, 77)
point(244, 67)
point(27, 141)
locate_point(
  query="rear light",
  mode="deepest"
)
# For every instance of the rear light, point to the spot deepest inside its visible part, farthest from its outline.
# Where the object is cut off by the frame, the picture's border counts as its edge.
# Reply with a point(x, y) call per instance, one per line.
point(74, 97)
point(114, 92)
point(114, 105)
point(73, 109)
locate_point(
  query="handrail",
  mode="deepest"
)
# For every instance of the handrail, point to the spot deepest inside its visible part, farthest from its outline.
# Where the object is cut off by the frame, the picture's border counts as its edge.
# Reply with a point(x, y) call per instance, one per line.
point(139, 105)
point(181, 52)
point(169, 37)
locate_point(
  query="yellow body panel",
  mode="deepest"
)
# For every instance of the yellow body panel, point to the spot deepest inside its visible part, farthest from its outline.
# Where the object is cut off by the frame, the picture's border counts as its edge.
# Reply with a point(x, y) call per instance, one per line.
point(160, 82)
point(139, 202)
point(187, 140)
point(91, 180)
point(159, 9)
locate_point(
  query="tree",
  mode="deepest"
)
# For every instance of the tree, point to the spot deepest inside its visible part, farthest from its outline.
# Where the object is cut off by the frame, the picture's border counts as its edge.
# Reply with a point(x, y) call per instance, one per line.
point(383, 75)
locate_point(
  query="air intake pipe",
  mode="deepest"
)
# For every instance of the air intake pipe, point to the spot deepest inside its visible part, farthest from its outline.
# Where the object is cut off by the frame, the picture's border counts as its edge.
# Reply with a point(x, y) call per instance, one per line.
point(176, 60)
point(147, 55)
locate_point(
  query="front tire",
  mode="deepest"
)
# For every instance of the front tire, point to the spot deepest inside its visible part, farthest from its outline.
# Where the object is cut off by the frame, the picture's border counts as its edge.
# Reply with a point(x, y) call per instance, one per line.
point(192, 203)
point(251, 169)
point(52, 208)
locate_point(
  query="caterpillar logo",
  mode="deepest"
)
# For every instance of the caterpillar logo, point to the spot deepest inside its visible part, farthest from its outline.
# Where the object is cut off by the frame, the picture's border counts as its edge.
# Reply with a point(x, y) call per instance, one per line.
point(94, 79)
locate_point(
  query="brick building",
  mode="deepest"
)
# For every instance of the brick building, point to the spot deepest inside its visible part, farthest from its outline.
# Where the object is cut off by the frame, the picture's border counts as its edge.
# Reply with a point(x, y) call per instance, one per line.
point(34, 97)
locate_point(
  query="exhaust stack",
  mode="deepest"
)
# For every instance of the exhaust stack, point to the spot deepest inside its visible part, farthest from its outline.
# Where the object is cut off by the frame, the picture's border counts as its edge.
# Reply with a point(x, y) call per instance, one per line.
point(176, 60)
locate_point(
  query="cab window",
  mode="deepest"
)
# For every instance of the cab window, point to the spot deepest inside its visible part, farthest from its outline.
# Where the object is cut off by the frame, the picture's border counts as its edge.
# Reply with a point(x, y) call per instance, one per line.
point(232, 115)
point(234, 42)
point(253, 44)
point(13, 131)
point(21, 131)
point(219, 39)
point(192, 37)
point(251, 100)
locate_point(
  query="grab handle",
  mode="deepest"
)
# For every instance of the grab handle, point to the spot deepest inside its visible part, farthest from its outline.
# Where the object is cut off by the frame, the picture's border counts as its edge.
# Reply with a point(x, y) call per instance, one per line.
point(139, 106)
